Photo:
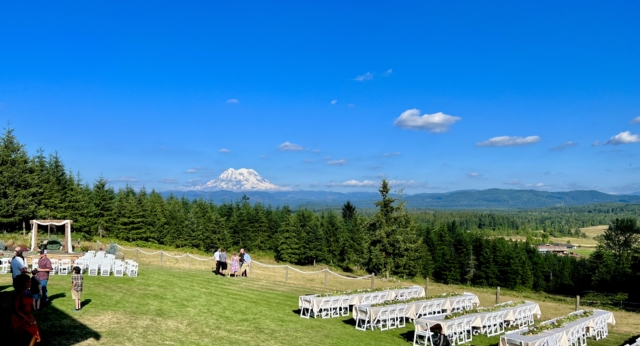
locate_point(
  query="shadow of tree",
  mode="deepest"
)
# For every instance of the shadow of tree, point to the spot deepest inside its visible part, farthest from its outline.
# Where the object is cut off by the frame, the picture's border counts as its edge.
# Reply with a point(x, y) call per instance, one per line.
point(57, 327)
point(631, 340)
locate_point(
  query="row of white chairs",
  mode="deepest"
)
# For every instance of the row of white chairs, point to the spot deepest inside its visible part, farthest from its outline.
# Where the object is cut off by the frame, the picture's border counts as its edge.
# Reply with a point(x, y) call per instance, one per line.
point(459, 331)
point(407, 294)
point(429, 308)
point(393, 316)
point(493, 324)
point(329, 307)
point(523, 317)
point(375, 298)
point(59, 267)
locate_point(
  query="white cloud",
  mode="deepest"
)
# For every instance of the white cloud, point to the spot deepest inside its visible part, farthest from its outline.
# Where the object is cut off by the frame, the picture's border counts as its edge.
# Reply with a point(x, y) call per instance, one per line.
point(194, 181)
point(389, 72)
point(234, 101)
point(436, 123)
point(223, 150)
point(623, 138)
point(286, 146)
point(365, 77)
point(564, 145)
point(169, 181)
point(334, 102)
point(315, 150)
point(635, 120)
point(191, 170)
point(327, 158)
point(337, 162)
point(595, 144)
point(355, 183)
point(514, 182)
point(474, 175)
point(509, 141)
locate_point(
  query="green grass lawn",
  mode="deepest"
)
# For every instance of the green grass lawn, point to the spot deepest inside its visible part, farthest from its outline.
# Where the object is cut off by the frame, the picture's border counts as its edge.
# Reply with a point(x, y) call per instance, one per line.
point(171, 306)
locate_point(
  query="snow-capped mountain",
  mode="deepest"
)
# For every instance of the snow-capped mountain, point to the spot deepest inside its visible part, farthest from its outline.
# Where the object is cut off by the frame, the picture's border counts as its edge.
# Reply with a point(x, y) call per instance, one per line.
point(240, 180)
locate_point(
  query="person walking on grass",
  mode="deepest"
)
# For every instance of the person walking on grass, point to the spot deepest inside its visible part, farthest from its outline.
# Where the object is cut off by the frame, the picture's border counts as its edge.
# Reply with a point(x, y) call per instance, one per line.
point(246, 265)
point(235, 265)
point(44, 267)
point(22, 319)
point(76, 286)
point(36, 290)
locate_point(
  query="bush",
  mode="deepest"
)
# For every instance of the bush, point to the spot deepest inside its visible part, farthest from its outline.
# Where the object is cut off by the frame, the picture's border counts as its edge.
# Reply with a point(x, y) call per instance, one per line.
point(54, 244)
point(3, 246)
point(112, 248)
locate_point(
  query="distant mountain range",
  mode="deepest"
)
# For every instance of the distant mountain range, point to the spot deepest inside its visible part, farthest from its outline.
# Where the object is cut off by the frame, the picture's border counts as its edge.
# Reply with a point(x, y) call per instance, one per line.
point(468, 199)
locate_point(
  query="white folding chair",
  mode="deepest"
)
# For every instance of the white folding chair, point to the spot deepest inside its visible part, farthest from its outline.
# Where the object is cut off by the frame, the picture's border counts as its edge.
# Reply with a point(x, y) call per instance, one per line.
point(90, 254)
point(366, 299)
point(363, 320)
point(325, 308)
point(105, 267)
point(306, 308)
point(64, 266)
point(133, 269)
point(336, 306)
point(118, 268)
point(402, 295)
point(437, 307)
point(393, 317)
point(382, 321)
point(422, 337)
point(81, 263)
point(34, 264)
point(5, 267)
point(93, 267)
point(401, 314)
point(344, 305)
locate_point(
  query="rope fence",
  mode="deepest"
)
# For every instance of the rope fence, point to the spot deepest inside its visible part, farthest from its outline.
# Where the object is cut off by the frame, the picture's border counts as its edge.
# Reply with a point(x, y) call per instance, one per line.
point(321, 278)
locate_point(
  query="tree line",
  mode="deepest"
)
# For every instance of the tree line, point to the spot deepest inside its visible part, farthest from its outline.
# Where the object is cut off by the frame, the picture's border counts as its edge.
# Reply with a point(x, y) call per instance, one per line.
point(386, 240)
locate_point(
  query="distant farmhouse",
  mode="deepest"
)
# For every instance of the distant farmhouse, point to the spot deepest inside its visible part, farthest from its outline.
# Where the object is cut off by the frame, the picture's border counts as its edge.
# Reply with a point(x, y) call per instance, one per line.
point(558, 249)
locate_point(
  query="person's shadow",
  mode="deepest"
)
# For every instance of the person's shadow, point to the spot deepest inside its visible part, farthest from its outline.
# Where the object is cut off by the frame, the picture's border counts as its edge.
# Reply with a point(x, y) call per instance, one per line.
point(56, 326)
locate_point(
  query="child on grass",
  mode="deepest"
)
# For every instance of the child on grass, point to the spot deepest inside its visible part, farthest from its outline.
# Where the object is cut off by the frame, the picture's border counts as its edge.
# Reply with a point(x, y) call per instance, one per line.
point(35, 290)
point(76, 286)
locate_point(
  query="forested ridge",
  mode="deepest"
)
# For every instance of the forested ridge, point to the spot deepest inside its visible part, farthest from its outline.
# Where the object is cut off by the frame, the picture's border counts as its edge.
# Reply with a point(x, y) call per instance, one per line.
point(388, 239)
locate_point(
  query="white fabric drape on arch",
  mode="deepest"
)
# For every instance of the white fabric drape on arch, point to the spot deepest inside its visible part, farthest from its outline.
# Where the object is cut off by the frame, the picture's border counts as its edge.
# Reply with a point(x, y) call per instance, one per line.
point(67, 235)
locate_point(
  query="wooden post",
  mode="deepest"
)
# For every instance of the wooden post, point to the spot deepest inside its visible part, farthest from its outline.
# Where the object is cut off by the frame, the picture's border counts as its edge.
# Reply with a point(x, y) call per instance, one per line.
point(187, 259)
point(286, 274)
point(426, 287)
point(137, 250)
point(326, 277)
point(498, 295)
point(577, 303)
point(160, 257)
point(373, 280)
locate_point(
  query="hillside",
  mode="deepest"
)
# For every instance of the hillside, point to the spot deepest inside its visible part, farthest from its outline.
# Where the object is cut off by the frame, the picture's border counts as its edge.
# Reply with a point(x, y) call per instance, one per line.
point(468, 199)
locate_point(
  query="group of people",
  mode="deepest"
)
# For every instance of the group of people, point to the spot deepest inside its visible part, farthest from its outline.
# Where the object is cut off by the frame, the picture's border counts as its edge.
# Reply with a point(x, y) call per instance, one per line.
point(240, 263)
point(31, 293)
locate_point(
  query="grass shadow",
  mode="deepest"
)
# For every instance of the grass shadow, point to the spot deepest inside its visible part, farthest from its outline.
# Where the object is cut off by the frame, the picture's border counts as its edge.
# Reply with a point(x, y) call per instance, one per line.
point(57, 327)
point(55, 296)
point(85, 303)
point(352, 322)
point(408, 335)
point(297, 311)
point(631, 340)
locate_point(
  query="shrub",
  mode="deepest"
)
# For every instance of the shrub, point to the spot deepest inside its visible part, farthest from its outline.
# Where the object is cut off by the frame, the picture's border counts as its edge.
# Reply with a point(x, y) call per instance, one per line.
point(3, 246)
point(112, 248)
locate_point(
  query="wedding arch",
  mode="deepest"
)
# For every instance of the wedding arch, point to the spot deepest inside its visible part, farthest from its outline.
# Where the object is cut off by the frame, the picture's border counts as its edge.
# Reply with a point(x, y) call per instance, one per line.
point(67, 232)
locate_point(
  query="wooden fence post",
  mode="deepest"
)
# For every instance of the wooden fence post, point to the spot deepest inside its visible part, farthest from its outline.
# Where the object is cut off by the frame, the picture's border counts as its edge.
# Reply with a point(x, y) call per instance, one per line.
point(426, 287)
point(187, 259)
point(498, 295)
point(326, 277)
point(373, 280)
point(286, 274)
point(137, 250)
point(160, 257)
point(577, 303)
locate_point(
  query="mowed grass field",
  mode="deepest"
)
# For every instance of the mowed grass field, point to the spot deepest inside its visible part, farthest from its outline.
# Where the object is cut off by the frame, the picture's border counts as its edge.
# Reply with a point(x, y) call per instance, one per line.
point(178, 306)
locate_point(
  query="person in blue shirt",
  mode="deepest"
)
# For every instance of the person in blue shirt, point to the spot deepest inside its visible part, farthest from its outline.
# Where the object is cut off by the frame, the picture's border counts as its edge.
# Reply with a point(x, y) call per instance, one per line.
point(245, 263)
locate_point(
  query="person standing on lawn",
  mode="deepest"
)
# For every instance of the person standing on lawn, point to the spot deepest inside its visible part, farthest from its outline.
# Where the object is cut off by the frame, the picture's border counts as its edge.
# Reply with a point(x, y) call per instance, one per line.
point(223, 262)
point(76, 286)
point(44, 267)
point(216, 257)
point(235, 265)
point(35, 290)
point(18, 266)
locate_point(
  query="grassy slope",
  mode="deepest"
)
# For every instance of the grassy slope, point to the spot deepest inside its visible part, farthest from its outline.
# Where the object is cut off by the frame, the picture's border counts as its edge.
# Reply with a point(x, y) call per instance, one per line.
point(174, 306)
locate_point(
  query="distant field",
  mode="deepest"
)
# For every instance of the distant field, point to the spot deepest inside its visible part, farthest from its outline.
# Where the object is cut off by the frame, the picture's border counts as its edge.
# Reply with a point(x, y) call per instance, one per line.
point(594, 231)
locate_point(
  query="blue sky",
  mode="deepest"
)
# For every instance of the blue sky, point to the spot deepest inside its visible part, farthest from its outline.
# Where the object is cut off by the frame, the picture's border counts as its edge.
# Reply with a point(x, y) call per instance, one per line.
point(434, 96)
